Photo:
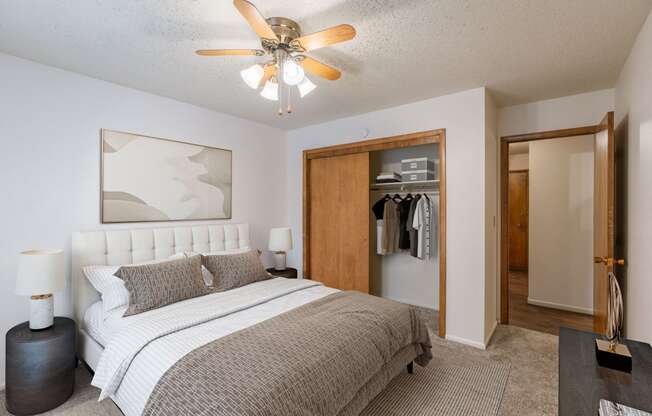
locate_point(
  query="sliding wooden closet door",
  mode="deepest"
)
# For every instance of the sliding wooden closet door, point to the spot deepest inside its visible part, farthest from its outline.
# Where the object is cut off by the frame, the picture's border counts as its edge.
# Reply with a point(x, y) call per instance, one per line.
point(339, 221)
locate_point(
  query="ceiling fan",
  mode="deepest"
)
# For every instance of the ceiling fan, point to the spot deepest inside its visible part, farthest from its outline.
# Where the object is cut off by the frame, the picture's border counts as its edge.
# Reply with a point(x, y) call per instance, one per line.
point(282, 41)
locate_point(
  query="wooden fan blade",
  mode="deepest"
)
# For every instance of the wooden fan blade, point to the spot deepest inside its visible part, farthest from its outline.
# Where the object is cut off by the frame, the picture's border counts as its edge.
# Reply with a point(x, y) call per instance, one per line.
point(336, 34)
point(255, 19)
point(270, 71)
point(315, 67)
point(227, 52)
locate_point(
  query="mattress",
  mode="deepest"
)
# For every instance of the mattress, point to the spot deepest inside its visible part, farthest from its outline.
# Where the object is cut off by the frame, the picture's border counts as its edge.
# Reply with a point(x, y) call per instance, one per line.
point(100, 326)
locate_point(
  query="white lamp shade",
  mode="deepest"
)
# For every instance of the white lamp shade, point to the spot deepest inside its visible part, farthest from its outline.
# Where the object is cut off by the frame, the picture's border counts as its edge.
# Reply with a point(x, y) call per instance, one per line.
point(270, 91)
point(40, 272)
point(280, 239)
point(305, 87)
point(252, 75)
point(292, 73)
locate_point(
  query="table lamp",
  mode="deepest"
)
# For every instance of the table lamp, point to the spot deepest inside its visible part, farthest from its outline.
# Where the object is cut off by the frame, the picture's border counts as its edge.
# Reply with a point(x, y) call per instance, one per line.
point(280, 241)
point(40, 273)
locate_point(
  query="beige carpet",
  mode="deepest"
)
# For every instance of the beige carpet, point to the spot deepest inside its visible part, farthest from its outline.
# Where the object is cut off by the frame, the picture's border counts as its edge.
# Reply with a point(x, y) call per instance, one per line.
point(520, 363)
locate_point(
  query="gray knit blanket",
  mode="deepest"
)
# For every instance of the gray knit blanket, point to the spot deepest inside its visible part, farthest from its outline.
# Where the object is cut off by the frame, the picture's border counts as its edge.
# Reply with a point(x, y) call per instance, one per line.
point(312, 360)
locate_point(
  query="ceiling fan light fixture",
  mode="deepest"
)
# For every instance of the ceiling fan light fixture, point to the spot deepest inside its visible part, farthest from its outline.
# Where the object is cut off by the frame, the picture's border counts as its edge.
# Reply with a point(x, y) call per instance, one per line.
point(270, 91)
point(305, 87)
point(293, 74)
point(252, 75)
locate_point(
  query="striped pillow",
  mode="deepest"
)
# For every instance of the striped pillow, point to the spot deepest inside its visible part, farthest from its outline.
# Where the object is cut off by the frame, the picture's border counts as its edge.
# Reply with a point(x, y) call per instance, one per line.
point(156, 285)
point(112, 290)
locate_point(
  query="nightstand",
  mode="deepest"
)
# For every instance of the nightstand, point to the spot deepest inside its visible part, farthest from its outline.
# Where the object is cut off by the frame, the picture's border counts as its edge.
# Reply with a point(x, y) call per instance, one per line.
point(289, 272)
point(40, 367)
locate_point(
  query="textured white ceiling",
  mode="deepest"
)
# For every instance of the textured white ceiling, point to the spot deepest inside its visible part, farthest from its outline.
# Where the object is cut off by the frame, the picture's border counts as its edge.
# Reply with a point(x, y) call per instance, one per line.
point(405, 51)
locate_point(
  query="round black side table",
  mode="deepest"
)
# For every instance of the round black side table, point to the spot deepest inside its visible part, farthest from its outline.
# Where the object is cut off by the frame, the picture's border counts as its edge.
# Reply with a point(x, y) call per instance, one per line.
point(40, 367)
point(288, 273)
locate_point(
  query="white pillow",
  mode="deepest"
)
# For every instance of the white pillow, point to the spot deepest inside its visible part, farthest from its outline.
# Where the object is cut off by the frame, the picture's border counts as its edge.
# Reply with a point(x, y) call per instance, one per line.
point(208, 276)
point(111, 288)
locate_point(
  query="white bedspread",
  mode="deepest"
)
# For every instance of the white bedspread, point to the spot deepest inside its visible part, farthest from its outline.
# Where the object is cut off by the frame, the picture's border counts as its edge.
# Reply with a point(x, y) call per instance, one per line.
point(137, 356)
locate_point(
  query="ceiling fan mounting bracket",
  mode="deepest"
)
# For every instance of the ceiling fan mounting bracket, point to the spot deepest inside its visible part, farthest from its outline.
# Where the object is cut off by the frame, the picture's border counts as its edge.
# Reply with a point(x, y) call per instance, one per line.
point(286, 29)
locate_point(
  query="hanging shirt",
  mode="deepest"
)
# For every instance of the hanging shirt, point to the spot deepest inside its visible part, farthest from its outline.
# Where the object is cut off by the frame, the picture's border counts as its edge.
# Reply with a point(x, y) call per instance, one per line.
point(390, 228)
point(403, 213)
point(380, 226)
point(379, 210)
point(423, 223)
point(414, 241)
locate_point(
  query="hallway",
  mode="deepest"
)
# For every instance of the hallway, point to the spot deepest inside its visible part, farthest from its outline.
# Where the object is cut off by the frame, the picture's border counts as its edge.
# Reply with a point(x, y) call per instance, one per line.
point(539, 318)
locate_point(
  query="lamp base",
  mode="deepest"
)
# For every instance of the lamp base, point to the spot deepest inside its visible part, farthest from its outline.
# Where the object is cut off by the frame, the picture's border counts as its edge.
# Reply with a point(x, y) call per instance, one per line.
point(280, 260)
point(616, 357)
point(41, 312)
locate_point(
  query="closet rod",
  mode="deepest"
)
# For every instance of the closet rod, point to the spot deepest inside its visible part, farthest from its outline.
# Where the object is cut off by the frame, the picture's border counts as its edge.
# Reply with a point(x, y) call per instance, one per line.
point(413, 191)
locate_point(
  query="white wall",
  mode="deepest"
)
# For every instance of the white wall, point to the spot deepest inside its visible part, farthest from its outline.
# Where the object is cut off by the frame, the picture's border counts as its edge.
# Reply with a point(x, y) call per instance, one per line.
point(559, 113)
point(490, 227)
point(49, 128)
point(462, 115)
point(560, 271)
point(634, 190)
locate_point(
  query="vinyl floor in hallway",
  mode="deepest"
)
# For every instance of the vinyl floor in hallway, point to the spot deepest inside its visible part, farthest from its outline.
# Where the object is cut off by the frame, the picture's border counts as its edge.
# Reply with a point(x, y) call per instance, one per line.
point(539, 318)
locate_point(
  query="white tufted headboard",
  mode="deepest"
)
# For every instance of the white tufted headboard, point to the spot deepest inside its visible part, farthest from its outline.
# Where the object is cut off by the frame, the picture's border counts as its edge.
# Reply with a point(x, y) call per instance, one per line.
point(113, 247)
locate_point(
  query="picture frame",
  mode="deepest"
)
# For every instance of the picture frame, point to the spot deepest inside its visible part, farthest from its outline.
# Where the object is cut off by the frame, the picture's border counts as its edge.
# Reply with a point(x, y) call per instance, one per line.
point(151, 179)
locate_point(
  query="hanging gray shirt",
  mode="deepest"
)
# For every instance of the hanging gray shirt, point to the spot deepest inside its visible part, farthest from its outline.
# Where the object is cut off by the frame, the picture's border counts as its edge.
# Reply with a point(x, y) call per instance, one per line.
point(414, 240)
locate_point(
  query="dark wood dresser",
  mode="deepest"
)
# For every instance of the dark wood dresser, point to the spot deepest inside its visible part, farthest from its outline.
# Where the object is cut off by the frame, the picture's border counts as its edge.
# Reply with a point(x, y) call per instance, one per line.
point(582, 383)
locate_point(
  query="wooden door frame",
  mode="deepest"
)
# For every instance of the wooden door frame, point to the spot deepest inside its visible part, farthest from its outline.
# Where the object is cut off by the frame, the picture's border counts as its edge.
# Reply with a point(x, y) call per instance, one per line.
point(505, 141)
point(373, 145)
point(527, 196)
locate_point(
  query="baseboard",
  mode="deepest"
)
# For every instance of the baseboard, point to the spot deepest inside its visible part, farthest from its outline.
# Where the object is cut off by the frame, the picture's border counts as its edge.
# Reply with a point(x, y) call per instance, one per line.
point(490, 335)
point(465, 341)
point(560, 306)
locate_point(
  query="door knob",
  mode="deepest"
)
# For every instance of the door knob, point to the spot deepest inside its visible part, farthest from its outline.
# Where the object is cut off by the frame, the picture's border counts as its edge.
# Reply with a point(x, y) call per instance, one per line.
point(609, 261)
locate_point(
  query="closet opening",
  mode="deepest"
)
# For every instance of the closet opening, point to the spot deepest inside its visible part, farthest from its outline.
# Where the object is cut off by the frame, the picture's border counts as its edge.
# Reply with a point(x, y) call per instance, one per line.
point(343, 183)
point(405, 255)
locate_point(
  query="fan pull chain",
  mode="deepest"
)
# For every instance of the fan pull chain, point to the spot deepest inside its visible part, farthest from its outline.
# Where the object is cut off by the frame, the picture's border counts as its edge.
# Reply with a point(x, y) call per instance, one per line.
point(289, 90)
point(280, 58)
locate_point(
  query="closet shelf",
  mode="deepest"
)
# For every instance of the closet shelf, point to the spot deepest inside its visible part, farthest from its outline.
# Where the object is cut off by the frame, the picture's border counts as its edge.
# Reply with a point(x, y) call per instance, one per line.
point(430, 185)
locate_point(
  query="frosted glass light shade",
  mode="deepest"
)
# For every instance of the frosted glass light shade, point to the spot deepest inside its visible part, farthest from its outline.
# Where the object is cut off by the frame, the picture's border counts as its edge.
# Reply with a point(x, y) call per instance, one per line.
point(270, 91)
point(252, 75)
point(305, 87)
point(292, 73)
point(40, 272)
point(280, 239)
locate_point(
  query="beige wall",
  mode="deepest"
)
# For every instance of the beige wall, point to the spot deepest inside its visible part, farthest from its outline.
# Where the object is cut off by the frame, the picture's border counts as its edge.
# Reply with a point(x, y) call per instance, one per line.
point(519, 161)
point(561, 224)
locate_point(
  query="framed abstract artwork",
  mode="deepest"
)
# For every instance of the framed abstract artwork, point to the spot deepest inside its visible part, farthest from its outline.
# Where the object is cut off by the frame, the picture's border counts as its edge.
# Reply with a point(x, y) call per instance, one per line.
point(147, 179)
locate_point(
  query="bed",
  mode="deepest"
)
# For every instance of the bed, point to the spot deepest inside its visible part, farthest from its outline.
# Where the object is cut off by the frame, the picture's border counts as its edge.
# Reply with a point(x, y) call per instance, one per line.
point(290, 346)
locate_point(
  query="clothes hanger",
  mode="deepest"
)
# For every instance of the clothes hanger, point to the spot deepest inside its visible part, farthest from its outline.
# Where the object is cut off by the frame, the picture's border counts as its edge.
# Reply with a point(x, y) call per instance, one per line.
point(397, 196)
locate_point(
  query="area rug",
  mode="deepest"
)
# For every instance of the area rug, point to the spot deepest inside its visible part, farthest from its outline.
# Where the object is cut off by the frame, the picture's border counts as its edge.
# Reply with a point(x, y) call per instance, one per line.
point(444, 390)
